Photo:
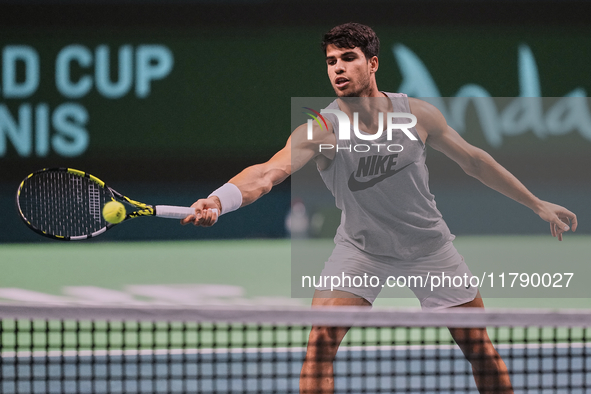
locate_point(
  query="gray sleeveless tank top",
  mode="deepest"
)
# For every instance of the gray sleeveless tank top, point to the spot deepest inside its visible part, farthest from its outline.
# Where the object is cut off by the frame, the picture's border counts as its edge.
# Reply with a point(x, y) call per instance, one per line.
point(387, 208)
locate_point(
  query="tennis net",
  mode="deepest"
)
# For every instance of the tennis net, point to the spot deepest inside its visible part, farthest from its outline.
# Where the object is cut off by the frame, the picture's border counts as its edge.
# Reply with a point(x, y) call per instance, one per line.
point(157, 349)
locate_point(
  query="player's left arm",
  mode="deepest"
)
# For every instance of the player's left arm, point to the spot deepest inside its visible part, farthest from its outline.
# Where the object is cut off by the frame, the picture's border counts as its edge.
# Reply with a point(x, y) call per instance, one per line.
point(479, 164)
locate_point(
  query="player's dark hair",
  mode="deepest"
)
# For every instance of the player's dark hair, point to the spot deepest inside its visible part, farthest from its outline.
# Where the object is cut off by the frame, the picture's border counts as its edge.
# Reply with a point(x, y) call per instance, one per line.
point(353, 35)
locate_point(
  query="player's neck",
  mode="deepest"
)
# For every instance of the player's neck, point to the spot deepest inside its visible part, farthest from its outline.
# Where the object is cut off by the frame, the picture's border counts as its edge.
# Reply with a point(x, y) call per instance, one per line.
point(366, 108)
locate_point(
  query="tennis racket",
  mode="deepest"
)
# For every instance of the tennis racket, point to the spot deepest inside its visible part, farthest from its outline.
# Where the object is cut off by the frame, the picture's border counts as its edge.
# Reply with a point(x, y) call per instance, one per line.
point(67, 204)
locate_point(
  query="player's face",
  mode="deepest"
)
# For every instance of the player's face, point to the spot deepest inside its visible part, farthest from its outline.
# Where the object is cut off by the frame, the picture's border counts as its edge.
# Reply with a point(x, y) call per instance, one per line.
point(350, 72)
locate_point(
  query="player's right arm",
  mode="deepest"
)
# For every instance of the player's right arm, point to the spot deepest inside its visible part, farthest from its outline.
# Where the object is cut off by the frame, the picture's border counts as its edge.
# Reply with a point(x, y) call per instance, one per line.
point(255, 181)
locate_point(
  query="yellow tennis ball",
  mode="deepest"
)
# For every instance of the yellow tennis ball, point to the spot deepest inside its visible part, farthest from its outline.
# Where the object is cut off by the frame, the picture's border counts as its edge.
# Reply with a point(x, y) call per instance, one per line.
point(114, 212)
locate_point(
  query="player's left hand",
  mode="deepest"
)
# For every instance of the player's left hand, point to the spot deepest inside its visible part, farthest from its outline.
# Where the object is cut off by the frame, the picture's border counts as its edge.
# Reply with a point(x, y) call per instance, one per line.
point(561, 219)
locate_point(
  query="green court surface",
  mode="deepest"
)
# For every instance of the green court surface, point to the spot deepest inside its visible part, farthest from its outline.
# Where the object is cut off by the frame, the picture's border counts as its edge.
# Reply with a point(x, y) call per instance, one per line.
point(101, 356)
point(255, 271)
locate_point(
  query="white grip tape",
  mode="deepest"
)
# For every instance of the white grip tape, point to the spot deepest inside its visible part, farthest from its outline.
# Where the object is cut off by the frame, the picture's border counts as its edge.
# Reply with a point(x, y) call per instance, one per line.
point(172, 212)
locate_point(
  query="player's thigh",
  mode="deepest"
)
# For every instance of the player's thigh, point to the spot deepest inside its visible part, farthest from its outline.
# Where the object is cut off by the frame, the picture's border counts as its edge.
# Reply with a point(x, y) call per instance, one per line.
point(473, 341)
point(324, 341)
point(475, 303)
point(328, 298)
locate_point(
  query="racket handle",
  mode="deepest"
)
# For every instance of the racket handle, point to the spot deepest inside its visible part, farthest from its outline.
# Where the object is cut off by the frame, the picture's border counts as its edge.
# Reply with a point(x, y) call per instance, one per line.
point(172, 212)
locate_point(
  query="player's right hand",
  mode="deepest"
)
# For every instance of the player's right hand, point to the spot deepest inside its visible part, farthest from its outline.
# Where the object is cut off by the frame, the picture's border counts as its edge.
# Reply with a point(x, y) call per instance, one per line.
point(205, 214)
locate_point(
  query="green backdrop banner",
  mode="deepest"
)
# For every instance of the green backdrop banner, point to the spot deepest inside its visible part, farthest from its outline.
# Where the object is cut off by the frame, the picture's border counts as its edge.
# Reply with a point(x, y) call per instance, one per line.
point(196, 103)
point(146, 94)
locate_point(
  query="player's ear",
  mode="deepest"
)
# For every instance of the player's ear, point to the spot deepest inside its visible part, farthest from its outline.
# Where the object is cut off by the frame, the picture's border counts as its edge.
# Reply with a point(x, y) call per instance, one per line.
point(373, 64)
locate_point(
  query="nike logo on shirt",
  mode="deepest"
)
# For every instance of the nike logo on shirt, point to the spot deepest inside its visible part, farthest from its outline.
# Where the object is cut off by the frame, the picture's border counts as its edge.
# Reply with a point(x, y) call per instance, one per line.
point(355, 185)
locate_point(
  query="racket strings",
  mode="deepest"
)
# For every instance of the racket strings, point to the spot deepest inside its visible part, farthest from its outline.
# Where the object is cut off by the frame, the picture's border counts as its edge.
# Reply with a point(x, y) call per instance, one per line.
point(63, 204)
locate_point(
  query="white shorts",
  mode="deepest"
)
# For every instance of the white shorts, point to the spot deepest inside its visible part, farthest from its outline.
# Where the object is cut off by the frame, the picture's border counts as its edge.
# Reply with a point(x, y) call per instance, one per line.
point(439, 280)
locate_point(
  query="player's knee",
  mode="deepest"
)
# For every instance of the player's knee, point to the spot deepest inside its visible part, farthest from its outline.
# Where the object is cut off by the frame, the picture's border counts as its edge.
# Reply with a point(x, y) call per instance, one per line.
point(481, 353)
point(323, 343)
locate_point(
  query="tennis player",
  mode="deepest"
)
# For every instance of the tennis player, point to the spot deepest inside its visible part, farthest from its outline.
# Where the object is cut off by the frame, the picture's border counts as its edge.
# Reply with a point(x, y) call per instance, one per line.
point(390, 224)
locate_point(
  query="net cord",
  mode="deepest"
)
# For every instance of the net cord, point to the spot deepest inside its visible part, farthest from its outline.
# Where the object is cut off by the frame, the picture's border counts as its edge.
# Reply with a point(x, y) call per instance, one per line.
point(340, 316)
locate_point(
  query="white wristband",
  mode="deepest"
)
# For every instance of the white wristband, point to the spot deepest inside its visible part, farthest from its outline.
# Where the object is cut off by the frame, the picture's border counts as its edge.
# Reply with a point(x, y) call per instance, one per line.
point(230, 197)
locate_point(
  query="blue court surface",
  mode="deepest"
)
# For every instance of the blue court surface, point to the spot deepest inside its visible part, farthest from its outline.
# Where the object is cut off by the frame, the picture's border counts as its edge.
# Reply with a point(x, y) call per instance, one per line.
point(534, 368)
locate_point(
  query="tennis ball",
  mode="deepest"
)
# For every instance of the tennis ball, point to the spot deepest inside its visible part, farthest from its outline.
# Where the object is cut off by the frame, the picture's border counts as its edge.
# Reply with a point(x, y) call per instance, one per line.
point(114, 212)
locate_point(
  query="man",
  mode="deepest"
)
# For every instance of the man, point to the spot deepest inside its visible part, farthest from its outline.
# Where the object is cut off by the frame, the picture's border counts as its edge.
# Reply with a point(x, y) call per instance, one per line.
point(390, 223)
